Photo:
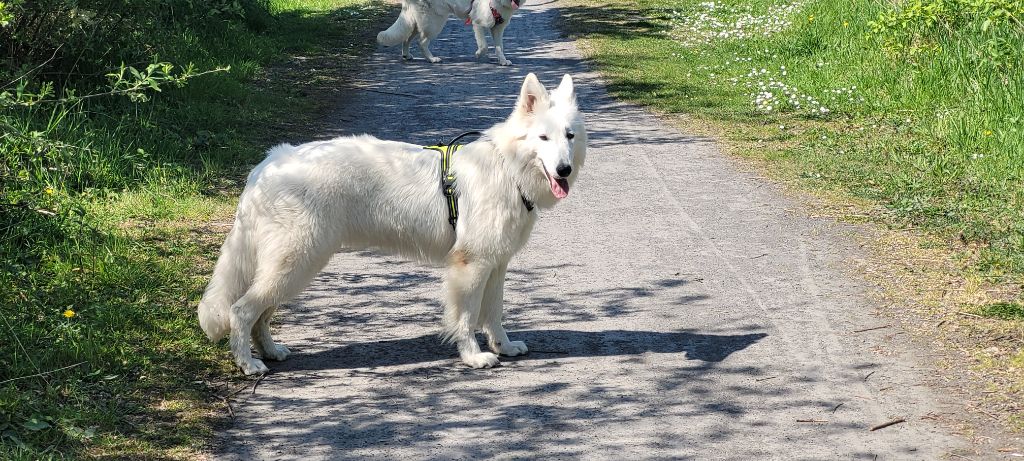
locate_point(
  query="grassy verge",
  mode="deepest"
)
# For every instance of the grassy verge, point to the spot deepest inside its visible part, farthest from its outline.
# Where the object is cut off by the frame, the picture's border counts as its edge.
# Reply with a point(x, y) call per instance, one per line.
point(905, 113)
point(112, 212)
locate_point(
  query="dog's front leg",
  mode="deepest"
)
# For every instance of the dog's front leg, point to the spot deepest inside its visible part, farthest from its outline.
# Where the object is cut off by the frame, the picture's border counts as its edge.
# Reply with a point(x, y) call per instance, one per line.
point(491, 316)
point(464, 287)
point(498, 32)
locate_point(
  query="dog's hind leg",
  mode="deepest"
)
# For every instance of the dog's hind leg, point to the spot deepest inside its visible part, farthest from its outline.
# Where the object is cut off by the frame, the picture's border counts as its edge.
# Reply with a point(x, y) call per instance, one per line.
point(481, 41)
point(464, 286)
point(244, 314)
point(425, 48)
point(406, 54)
point(264, 343)
point(279, 277)
point(405, 48)
point(491, 316)
point(429, 30)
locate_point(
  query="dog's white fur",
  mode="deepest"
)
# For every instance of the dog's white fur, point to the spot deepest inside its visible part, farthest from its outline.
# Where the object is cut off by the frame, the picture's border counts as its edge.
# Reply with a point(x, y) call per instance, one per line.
point(303, 203)
point(426, 18)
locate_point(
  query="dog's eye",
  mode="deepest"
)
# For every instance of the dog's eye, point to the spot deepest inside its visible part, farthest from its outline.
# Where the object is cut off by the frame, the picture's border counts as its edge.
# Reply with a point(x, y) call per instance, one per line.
point(570, 135)
point(543, 137)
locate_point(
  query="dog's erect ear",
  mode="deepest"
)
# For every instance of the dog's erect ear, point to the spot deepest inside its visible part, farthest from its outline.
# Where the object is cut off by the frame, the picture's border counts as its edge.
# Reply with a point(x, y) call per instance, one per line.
point(532, 96)
point(565, 91)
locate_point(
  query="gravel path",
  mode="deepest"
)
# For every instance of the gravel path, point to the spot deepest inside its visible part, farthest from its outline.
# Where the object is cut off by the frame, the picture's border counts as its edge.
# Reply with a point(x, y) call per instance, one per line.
point(675, 306)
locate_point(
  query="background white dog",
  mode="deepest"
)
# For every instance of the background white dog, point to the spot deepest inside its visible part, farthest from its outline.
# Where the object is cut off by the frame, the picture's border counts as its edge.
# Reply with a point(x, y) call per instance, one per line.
point(426, 18)
point(303, 203)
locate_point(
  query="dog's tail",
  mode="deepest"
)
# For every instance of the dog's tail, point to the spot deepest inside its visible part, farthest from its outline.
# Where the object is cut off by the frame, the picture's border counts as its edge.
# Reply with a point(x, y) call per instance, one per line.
point(231, 278)
point(401, 30)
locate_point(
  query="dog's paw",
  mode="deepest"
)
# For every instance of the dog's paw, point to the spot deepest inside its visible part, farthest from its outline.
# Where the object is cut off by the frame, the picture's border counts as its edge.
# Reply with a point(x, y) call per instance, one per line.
point(511, 348)
point(435, 59)
point(253, 367)
point(504, 62)
point(481, 53)
point(407, 57)
point(481, 360)
point(279, 353)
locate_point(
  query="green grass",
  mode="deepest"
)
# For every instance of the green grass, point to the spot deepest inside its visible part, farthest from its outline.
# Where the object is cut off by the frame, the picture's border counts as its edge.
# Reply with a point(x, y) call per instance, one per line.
point(1003, 311)
point(932, 131)
point(111, 214)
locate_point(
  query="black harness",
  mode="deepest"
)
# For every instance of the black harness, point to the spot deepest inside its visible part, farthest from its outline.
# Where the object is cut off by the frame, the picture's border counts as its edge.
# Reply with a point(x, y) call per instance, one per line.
point(448, 177)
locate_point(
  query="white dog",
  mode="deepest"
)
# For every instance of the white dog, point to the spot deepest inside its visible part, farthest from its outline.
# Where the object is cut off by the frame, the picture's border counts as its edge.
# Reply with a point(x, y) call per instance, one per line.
point(303, 203)
point(426, 18)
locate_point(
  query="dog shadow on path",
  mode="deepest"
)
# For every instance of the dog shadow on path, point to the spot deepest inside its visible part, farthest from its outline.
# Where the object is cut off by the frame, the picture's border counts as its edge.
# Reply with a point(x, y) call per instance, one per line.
point(544, 344)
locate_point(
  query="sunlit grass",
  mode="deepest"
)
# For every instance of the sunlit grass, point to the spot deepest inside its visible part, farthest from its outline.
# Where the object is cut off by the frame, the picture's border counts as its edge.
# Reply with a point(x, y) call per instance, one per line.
point(109, 227)
point(936, 139)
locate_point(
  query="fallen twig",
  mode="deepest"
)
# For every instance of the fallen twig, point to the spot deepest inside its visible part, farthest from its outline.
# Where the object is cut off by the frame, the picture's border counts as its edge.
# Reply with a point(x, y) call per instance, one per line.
point(227, 402)
point(812, 420)
point(240, 389)
point(872, 328)
point(257, 383)
point(968, 314)
point(868, 375)
point(887, 424)
point(766, 379)
point(836, 407)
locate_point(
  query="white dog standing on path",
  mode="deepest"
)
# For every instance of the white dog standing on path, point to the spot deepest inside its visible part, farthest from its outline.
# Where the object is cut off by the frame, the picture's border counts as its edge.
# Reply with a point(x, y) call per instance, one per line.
point(304, 203)
point(426, 19)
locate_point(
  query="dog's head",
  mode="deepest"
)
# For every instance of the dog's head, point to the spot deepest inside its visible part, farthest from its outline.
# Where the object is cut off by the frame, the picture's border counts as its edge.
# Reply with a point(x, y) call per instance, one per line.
point(548, 138)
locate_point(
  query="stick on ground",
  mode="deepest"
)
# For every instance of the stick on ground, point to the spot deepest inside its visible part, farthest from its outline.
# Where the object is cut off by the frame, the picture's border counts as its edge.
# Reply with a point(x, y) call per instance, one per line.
point(887, 424)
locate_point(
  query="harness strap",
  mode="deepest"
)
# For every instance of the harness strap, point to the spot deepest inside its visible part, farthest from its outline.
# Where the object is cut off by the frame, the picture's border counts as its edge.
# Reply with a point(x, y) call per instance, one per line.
point(448, 177)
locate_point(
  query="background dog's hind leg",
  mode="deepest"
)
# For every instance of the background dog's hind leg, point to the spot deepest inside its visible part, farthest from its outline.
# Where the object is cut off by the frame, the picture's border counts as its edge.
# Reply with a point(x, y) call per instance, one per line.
point(429, 30)
point(406, 53)
point(425, 48)
point(464, 288)
point(491, 316)
point(481, 41)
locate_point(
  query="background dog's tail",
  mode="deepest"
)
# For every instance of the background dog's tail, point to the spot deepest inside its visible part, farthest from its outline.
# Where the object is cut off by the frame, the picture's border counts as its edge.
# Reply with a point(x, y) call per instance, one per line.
point(400, 30)
point(231, 278)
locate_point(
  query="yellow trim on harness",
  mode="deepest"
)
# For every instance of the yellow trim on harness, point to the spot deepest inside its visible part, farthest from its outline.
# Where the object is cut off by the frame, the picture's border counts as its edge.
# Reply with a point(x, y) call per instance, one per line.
point(448, 180)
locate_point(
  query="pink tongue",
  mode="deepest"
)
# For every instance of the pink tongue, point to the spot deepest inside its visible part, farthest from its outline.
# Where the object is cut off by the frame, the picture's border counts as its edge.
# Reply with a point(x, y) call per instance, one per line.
point(559, 187)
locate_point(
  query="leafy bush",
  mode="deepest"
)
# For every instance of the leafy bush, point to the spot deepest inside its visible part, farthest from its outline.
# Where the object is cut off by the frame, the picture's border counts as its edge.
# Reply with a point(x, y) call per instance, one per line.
point(922, 27)
point(82, 37)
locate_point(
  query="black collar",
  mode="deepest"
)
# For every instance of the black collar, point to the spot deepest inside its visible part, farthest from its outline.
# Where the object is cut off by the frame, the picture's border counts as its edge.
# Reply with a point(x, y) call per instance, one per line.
point(526, 202)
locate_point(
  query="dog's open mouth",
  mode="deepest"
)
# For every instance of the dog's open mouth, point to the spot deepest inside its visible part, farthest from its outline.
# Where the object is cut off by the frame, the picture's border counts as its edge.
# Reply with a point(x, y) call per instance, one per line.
point(559, 186)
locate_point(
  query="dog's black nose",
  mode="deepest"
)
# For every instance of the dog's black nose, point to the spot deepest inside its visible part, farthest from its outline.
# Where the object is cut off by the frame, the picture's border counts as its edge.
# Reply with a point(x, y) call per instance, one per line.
point(564, 170)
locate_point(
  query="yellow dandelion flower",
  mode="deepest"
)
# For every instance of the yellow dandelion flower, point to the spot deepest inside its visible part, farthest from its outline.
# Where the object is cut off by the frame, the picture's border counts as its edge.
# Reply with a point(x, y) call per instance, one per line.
point(69, 313)
point(988, 132)
point(48, 191)
point(846, 23)
point(810, 18)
